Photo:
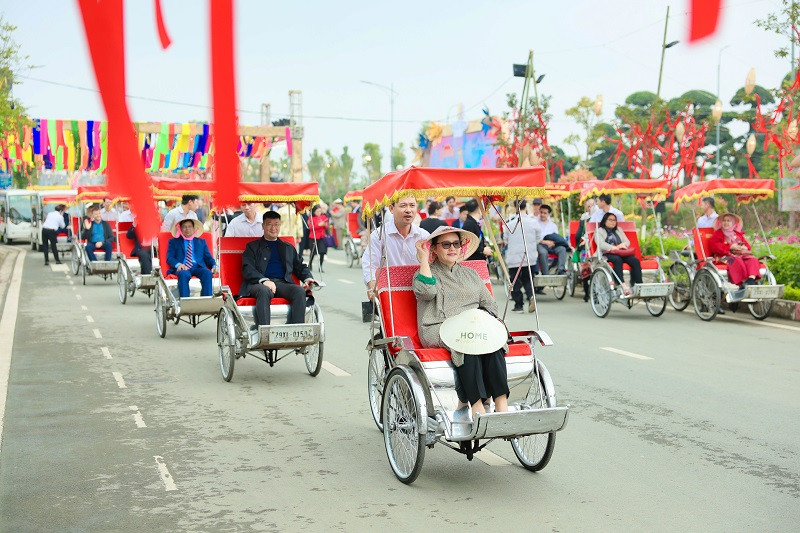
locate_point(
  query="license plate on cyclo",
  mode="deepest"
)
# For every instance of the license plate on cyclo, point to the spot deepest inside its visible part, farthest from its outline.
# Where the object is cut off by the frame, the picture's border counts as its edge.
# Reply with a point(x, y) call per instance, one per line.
point(291, 334)
point(651, 291)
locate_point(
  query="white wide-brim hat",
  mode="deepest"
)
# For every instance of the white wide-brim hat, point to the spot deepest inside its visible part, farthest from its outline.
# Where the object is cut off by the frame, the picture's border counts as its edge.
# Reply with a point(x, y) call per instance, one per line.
point(469, 241)
point(473, 332)
point(737, 225)
point(198, 227)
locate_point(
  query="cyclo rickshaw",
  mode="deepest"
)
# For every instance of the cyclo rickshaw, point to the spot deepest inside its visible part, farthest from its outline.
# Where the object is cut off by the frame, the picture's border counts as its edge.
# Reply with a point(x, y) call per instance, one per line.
point(81, 264)
point(129, 272)
point(47, 199)
point(560, 283)
point(353, 247)
point(169, 305)
point(604, 286)
point(704, 281)
point(411, 389)
point(235, 337)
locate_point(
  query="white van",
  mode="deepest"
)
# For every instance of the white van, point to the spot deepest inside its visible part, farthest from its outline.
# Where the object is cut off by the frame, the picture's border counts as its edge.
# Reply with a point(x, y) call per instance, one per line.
point(16, 211)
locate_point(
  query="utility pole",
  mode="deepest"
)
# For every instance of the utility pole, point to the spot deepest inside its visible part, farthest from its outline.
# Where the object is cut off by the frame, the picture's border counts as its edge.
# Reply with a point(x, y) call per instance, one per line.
point(663, 49)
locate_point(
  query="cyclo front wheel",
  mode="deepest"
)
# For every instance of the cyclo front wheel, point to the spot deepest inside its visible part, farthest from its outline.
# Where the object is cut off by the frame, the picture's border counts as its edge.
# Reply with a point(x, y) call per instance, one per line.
point(600, 293)
point(760, 309)
point(656, 306)
point(376, 376)
point(161, 312)
point(405, 445)
point(535, 451)
point(226, 343)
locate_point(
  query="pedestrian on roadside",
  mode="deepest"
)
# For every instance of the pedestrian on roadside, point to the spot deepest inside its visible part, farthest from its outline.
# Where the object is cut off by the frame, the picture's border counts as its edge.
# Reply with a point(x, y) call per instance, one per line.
point(318, 224)
point(339, 220)
point(52, 224)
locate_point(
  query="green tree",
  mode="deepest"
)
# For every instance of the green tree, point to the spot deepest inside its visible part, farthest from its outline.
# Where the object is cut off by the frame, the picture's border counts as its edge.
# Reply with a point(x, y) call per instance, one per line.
point(781, 22)
point(371, 160)
point(398, 157)
point(346, 163)
point(315, 164)
point(583, 113)
point(12, 113)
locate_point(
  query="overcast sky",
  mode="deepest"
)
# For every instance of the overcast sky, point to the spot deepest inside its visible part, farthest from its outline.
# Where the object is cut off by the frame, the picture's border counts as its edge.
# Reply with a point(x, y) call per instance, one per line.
point(437, 54)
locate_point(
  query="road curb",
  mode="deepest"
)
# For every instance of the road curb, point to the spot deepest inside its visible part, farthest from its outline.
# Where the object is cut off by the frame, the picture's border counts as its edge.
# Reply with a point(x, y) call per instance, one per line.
point(786, 309)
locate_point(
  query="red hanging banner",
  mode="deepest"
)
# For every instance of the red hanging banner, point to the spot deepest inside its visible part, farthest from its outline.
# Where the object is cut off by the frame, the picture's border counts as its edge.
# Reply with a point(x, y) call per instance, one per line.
point(125, 172)
point(226, 161)
point(163, 36)
point(703, 16)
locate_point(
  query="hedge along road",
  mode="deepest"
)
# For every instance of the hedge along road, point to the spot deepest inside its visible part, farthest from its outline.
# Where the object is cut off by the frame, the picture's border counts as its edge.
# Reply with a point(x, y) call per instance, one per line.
point(675, 423)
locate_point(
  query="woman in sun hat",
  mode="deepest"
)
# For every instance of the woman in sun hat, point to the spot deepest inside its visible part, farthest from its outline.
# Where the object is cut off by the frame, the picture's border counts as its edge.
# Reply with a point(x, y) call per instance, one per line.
point(445, 289)
point(728, 244)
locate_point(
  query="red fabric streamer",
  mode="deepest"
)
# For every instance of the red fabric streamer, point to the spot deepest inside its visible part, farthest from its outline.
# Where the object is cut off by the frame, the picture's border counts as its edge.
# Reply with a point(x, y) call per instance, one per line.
point(163, 36)
point(126, 175)
point(226, 163)
point(704, 16)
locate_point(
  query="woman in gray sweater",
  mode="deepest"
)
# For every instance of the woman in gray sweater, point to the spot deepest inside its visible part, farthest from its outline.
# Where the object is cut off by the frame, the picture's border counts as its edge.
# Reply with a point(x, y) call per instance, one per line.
point(445, 289)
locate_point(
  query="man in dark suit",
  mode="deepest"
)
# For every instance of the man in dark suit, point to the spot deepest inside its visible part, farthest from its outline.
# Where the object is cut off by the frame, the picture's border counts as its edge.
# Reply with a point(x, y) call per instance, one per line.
point(97, 234)
point(188, 255)
point(267, 267)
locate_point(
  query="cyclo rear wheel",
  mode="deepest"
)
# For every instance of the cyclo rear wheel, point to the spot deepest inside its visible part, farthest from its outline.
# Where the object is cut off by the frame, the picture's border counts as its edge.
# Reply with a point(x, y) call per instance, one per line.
point(535, 451)
point(656, 306)
point(405, 445)
point(681, 293)
point(313, 354)
point(122, 284)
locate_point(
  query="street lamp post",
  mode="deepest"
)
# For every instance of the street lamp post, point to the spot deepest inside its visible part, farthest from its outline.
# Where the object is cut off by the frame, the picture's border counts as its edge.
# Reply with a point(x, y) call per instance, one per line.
point(664, 47)
point(719, 65)
point(392, 94)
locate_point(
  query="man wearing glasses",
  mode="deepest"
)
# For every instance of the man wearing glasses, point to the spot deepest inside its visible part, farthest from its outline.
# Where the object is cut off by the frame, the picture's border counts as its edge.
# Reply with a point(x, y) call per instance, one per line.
point(267, 267)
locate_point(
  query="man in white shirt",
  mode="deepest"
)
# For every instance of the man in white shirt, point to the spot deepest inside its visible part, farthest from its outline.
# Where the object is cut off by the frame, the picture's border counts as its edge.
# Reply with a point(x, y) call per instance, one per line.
point(709, 213)
point(126, 215)
point(551, 242)
point(450, 210)
point(182, 212)
point(108, 213)
point(52, 223)
point(604, 206)
point(401, 241)
point(248, 224)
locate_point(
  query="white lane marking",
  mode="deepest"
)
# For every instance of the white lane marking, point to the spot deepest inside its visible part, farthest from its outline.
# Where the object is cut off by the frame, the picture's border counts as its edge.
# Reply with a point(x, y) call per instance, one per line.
point(759, 323)
point(335, 261)
point(491, 459)
point(69, 277)
point(105, 351)
point(78, 297)
point(333, 369)
point(71, 282)
point(83, 307)
point(74, 288)
point(346, 281)
point(626, 354)
point(97, 334)
point(8, 323)
point(120, 381)
point(166, 477)
point(89, 318)
point(58, 268)
point(137, 417)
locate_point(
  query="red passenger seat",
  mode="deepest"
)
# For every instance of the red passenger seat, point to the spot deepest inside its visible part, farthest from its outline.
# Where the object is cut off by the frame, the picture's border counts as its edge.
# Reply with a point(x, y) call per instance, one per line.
point(402, 319)
point(230, 267)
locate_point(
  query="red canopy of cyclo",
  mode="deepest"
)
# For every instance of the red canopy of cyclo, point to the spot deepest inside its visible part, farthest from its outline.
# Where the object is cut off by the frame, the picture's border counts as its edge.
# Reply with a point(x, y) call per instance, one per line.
point(92, 193)
point(560, 190)
point(354, 195)
point(653, 189)
point(746, 190)
point(302, 194)
point(494, 183)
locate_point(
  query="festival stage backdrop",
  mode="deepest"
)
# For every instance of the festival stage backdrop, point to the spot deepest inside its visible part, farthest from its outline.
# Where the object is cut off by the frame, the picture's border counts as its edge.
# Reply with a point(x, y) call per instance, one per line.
point(470, 150)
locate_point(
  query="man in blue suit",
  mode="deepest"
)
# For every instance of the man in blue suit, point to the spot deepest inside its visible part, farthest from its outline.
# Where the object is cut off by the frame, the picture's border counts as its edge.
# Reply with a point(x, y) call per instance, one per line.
point(188, 255)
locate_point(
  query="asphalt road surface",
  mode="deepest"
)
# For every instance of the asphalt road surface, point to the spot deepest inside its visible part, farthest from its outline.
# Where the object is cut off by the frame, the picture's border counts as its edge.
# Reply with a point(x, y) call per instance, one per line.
point(675, 424)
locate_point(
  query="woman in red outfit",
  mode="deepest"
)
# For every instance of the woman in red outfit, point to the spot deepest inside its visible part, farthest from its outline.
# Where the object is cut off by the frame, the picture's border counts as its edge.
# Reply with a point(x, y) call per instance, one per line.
point(318, 226)
point(729, 246)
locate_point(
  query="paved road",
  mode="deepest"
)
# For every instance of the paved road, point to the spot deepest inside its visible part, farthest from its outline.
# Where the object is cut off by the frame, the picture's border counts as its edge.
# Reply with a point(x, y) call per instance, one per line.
point(701, 434)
